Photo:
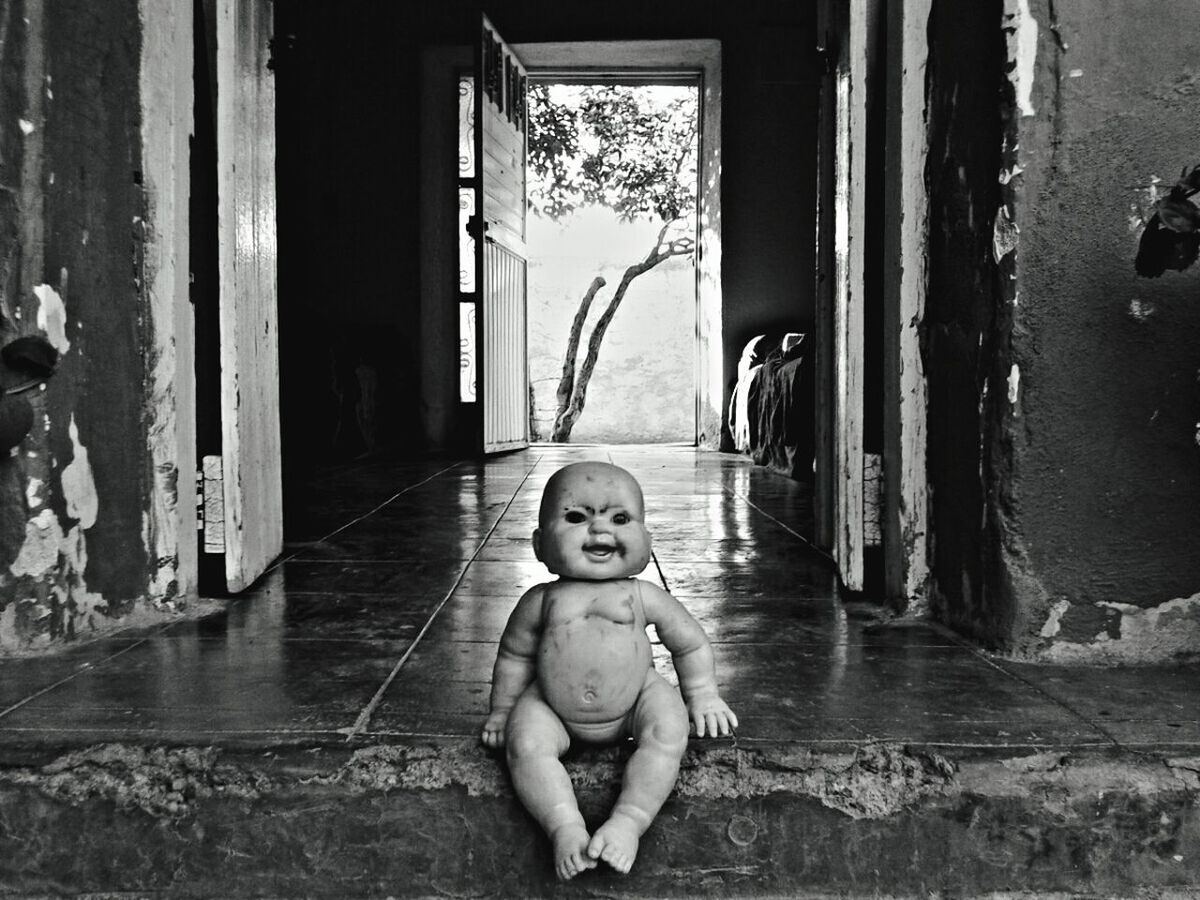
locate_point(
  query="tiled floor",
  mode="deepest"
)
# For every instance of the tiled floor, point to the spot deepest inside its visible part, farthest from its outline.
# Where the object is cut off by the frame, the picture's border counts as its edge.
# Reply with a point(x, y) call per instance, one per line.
point(380, 625)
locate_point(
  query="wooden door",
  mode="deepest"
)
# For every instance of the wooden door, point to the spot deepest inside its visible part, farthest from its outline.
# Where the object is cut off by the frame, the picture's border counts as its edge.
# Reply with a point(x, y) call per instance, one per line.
point(249, 467)
point(501, 129)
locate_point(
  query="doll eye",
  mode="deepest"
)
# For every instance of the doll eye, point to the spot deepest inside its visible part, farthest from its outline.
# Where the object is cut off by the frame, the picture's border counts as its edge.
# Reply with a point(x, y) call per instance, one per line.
point(574, 517)
point(621, 519)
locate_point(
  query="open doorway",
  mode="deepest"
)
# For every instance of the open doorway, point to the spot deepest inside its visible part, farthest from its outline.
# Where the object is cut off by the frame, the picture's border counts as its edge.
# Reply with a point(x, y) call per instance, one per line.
point(445, 331)
point(611, 248)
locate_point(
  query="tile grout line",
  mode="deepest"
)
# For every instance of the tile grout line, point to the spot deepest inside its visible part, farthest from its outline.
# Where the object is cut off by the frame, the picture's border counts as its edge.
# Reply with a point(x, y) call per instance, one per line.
point(824, 554)
point(279, 562)
point(364, 716)
point(1100, 729)
point(85, 668)
point(291, 556)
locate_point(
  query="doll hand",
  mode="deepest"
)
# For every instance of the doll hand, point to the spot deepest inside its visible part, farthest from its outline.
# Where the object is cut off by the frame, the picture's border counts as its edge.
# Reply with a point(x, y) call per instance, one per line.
point(711, 716)
point(493, 729)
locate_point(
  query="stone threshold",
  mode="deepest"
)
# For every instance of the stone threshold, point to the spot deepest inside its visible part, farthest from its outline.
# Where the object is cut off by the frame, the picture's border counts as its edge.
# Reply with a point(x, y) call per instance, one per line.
point(427, 818)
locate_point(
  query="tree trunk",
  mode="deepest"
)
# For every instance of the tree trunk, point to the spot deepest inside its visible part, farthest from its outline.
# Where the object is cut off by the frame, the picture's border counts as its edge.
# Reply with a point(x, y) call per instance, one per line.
point(565, 420)
point(572, 387)
point(566, 383)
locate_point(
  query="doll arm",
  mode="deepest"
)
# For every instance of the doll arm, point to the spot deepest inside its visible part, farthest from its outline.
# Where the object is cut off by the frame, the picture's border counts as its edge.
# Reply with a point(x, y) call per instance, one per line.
point(514, 668)
point(692, 655)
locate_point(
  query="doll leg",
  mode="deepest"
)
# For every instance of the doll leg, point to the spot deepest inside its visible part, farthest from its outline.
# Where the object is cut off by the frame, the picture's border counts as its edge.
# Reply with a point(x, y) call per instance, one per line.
point(535, 739)
point(660, 729)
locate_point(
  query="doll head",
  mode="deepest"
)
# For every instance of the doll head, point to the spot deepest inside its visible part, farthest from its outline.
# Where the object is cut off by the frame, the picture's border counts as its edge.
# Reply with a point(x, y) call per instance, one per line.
point(591, 523)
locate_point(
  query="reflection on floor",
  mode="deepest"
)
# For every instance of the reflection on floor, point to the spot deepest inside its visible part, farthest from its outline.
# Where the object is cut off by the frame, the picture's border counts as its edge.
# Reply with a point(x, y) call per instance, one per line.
point(380, 624)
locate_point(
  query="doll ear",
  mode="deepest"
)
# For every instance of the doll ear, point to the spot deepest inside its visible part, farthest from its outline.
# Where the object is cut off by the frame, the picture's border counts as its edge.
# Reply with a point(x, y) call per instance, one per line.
point(537, 544)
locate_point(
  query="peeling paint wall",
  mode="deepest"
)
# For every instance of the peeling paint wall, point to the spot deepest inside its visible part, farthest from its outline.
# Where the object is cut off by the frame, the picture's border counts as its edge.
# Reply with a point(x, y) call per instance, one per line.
point(73, 233)
point(1107, 471)
point(1074, 538)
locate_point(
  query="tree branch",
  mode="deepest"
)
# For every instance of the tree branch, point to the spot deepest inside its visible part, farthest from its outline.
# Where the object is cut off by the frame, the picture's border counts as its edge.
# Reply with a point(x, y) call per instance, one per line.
point(662, 233)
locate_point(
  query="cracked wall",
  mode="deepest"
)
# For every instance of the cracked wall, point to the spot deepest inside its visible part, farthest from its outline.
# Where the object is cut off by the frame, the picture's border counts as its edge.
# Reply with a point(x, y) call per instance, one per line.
point(1102, 530)
point(1064, 390)
point(74, 555)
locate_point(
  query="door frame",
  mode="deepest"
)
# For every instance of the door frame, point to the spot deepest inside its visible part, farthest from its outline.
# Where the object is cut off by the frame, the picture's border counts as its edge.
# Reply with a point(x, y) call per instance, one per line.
point(843, 34)
point(440, 66)
point(906, 524)
point(841, 233)
point(167, 92)
point(252, 495)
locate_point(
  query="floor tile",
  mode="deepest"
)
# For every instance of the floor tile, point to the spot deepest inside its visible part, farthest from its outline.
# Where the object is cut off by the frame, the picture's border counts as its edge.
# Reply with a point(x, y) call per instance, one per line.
point(422, 562)
point(1136, 705)
point(24, 676)
point(405, 577)
point(798, 577)
point(244, 683)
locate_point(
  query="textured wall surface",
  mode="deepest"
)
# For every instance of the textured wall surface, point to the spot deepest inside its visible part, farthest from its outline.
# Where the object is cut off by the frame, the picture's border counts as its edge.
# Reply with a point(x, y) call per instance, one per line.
point(74, 494)
point(1107, 468)
point(1063, 388)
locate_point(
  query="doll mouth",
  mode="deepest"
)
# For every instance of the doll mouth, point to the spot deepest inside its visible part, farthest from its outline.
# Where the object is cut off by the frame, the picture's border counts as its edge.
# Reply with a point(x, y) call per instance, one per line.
point(599, 552)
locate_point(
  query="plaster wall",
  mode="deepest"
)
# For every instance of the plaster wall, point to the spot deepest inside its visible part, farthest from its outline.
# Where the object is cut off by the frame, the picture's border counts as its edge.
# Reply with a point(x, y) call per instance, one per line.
point(1064, 467)
point(81, 550)
point(1107, 466)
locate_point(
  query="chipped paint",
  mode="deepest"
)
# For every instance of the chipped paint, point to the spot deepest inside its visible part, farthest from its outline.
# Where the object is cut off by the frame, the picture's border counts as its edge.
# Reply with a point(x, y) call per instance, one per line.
point(1007, 175)
point(33, 492)
point(39, 552)
point(1156, 634)
point(78, 484)
point(1005, 234)
point(86, 602)
point(8, 626)
point(26, 126)
point(1014, 384)
point(1140, 311)
point(52, 317)
point(1054, 621)
point(1021, 30)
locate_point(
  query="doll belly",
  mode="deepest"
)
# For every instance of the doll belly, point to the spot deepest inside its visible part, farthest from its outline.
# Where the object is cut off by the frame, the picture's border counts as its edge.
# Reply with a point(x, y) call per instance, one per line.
point(592, 670)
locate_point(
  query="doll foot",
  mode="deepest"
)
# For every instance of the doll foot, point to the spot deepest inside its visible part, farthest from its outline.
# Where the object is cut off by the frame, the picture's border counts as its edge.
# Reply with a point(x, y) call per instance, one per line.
point(615, 842)
point(570, 851)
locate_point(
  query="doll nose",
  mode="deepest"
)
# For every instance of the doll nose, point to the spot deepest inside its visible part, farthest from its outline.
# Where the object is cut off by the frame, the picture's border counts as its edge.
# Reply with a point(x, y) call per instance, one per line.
point(600, 525)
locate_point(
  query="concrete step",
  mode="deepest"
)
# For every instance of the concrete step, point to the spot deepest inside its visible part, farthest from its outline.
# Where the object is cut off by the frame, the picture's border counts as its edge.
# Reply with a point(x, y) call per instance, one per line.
point(438, 819)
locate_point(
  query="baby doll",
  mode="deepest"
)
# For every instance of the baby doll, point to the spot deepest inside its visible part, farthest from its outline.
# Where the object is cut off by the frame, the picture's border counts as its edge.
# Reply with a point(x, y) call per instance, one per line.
point(575, 664)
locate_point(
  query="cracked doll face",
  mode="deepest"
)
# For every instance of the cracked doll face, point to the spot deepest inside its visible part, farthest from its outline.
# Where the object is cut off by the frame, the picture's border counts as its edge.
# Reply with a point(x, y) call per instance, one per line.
point(592, 523)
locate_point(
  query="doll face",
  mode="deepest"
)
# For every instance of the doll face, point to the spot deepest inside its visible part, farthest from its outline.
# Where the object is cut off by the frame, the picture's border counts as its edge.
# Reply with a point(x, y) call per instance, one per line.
point(591, 524)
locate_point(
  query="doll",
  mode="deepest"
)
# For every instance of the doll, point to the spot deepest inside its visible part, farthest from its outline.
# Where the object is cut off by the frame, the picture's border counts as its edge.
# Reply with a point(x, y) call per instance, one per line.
point(574, 663)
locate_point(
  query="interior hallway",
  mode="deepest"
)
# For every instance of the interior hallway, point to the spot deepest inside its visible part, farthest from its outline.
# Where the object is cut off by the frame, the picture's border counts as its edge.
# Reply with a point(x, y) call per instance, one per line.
point(314, 737)
point(381, 624)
